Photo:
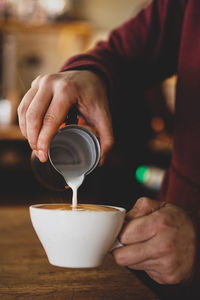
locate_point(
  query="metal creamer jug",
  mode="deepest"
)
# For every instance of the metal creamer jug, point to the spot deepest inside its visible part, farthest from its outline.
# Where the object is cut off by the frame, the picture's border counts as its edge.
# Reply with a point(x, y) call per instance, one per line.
point(74, 151)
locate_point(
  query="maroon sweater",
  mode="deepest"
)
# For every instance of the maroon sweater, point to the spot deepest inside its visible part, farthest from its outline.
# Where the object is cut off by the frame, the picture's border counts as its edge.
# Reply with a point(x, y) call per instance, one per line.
point(162, 40)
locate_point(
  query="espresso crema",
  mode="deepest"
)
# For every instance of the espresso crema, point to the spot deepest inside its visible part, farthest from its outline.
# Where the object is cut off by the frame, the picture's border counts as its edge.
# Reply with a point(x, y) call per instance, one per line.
point(81, 207)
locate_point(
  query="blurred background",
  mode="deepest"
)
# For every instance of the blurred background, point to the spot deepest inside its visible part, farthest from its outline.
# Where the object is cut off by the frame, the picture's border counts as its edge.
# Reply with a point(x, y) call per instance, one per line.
point(37, 37)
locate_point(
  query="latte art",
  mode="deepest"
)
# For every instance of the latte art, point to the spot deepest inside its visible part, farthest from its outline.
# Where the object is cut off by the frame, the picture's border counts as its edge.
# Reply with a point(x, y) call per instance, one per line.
point(80, 207)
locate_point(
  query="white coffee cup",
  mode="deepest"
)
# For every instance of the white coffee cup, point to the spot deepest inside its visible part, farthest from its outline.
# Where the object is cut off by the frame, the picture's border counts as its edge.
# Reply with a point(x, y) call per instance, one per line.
point(76, 238)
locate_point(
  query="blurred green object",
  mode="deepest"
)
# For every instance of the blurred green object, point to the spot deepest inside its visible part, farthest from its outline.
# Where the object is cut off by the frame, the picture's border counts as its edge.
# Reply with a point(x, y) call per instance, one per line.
point(142, 173)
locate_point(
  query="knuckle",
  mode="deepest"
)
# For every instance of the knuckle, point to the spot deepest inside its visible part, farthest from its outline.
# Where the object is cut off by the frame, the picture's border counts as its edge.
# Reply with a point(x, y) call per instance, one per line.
point(143, 201)
point(46, 79)
point(146, 201)
point(37, 79)
point(31, 116)
point(49, 119)
point(139, 201)
point(64, 86)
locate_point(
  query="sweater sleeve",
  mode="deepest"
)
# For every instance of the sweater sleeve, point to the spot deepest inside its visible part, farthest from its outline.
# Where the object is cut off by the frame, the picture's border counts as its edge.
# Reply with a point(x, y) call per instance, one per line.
point(145, 48)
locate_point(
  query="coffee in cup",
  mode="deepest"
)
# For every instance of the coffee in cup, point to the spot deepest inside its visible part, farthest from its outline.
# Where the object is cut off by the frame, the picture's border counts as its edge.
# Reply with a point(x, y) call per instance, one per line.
point(77, 237)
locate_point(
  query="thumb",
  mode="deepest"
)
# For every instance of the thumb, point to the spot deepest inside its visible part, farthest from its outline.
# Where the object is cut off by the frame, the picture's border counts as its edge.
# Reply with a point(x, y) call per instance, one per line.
point(144, 206)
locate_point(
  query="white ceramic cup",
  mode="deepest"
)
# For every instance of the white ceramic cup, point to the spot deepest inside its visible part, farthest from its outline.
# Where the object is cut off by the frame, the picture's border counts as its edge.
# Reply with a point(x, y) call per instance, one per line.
point(76, 238)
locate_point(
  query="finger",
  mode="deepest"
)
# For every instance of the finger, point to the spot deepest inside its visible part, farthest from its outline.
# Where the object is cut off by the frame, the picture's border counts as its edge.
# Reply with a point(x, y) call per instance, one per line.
point(104, 130)
point(25, 102)
point(156, 276)
point(54, 116)
point(146, 265)
point(139, 229)
point(35, 114)
point(142, 255)
point(158, 270)
point(23, 107)
point(106, 142)
point(36, 81)
point(142, 207)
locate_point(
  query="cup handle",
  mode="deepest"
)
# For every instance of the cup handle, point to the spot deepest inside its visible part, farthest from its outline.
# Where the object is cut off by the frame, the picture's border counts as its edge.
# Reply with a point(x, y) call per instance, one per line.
point(116, 245)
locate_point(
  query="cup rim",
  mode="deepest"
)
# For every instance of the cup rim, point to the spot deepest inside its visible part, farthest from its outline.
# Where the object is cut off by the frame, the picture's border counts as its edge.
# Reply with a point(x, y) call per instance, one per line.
point(38, 206)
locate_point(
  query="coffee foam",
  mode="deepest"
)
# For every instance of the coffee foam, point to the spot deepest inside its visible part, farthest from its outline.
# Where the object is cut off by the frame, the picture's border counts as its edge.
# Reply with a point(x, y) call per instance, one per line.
point(80, 207)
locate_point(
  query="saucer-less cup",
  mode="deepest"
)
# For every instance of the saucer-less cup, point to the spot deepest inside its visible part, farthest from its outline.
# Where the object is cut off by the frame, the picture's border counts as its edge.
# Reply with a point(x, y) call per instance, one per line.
point(76, 238)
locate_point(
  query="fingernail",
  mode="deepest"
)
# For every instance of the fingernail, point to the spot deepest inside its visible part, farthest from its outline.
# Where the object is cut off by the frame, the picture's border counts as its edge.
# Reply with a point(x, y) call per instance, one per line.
point(42, 156)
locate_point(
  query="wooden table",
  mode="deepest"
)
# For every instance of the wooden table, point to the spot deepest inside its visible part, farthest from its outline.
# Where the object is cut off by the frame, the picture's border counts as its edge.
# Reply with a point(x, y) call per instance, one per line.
point(25, 272)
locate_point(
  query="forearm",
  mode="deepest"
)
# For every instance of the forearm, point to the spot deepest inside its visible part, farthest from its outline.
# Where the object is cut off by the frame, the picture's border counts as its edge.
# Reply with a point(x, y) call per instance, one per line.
point(144, 48)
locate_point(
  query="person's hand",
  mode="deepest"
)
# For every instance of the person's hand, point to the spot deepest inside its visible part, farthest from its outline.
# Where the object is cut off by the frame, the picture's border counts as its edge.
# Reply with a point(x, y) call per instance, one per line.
point(160, 239)
point(46, 104)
